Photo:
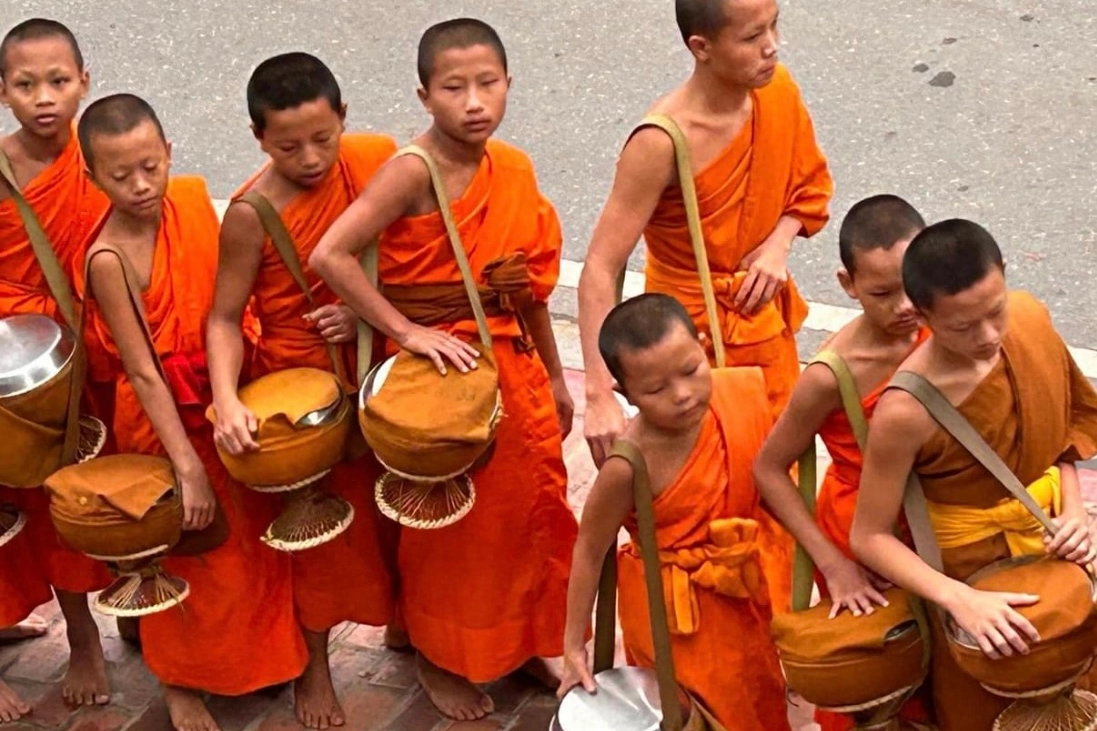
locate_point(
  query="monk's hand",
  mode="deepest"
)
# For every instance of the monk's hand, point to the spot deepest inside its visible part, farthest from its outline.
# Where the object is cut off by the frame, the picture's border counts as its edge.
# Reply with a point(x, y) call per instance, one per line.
point(199, 502)
point(851, 587)
point(1073, 540)
point(990, 618)
point(440, 347)
point(576, 672)
point(235, 428)
point(767, 274)
point(565, 406)
point(603, 422)
point(336, 323)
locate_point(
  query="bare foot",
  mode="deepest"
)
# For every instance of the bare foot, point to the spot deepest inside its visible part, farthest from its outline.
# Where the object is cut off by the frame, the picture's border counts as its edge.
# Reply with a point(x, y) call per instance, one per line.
point(451, 694)
point(315, 702)
point(31, 627)
point(187, 710)
point(547, 672)
point(396, 639)
point(12, 707)
point(85, 682)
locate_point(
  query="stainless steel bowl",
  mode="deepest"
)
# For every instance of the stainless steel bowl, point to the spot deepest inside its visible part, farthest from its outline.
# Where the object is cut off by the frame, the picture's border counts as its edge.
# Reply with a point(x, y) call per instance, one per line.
point(627, 700)
point(324, 416)
point(33, 349)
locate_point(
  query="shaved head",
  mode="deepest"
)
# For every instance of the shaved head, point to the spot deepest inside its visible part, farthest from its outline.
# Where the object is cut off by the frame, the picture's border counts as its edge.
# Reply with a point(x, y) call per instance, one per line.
point(879, 222)
point(113, 116)
point(459, 33)
point(638, 324)
point(700, 17)
point(37, 29)
point(948, 258)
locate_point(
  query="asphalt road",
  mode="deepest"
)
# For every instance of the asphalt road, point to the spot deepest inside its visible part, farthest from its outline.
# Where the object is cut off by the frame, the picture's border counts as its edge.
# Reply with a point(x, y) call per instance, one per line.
point(975, 108)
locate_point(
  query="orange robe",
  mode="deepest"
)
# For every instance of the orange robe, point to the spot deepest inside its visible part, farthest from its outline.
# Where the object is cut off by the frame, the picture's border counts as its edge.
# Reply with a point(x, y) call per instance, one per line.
point(834, 509)
point(236, 632)
point(483, 596)
point(1035, 409)
point(345, 579)
point(719, 637)
point(67, 205)
point(772, 168)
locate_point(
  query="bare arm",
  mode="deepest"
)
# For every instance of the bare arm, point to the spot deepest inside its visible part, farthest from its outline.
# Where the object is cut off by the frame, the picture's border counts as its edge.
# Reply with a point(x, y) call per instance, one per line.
point(108, 286)
point(241, 253)
point(1072, 542)
point(644, 171)
point(813, 400)
point(539, 321)
point(388, 197)
point(606, 509)
point(900, 426)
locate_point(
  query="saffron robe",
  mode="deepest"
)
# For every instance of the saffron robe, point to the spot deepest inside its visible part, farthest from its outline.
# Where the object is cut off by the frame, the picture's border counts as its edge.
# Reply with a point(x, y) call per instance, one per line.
point(67, 205)
point(718, 603)
point(345, 579)
point(483, 596)
point(236, 632)
point(1035, 409)
point(772, 168)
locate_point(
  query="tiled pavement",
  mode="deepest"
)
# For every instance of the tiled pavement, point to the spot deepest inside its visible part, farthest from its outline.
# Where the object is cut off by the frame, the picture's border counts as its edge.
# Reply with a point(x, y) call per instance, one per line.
point(377, 687)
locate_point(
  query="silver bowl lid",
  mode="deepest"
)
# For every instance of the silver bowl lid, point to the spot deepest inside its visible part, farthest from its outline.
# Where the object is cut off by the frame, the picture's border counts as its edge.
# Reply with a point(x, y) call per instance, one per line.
point(33, 349)
point(627, 700)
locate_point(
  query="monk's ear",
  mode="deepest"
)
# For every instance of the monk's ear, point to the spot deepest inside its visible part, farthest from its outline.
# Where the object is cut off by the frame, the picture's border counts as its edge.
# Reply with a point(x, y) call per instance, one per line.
point(845, 281)
point(85, 83)
point(256, 132)
point(699, 46)
point(167, 146)
point(343, 112)
point(422, 93)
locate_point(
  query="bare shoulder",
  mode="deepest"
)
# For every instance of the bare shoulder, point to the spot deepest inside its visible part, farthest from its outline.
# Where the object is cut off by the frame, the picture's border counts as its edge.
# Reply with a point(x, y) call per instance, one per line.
point(901, 418)
point(403, 173)
point(817, 384)
point(241, 225)
point(105, 272)
point(646, 164)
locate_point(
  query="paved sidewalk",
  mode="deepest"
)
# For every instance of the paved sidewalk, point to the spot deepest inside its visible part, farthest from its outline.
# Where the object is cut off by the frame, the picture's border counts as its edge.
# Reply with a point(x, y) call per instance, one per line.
point(377, 687)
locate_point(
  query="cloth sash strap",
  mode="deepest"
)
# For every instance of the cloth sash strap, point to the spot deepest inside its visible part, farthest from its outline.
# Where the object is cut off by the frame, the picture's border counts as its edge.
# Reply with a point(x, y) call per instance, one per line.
point(506, 291)
point(727, 564)
point(786, 311)
point(962, 525)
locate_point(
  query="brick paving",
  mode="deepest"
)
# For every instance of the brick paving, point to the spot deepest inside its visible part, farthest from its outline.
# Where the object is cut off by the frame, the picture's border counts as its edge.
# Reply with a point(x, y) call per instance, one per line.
point(377, 687)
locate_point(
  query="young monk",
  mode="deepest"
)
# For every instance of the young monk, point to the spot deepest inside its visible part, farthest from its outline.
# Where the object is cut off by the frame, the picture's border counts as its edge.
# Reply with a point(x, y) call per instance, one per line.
point(315, 171)
point(485, 596)
point(872, 240)
point(761, 181)
point(43, 82)
point(699, 430)
point(236, 632)
point(995, 356)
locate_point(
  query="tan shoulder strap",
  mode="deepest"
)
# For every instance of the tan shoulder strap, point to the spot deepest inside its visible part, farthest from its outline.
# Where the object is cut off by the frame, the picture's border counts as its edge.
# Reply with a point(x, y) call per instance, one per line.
point(605, 631)
point(369, 262)
point(693, 220)
point(847, 390)
point(454, 238)
point(803, 569)
point(283, 244)
point(134, 292)
point(945, 414)
point(43, 249)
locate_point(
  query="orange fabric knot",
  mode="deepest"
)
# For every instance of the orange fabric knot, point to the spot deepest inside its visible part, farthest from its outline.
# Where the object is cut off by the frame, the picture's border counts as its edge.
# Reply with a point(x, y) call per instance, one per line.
point(508, 286)
point(727, 564)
